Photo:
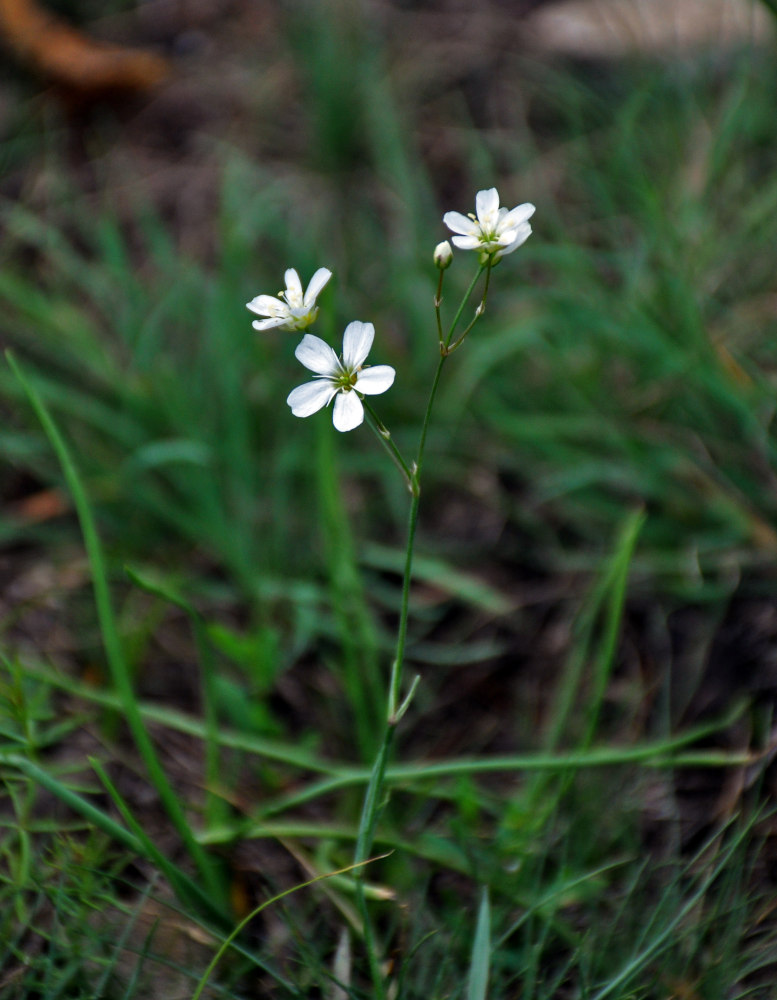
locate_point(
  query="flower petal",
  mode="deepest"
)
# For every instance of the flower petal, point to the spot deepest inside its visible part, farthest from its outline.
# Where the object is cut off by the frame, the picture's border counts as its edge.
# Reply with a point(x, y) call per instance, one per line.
point(487, 206)
point(466, 242)
point(348, 411)
point(269, 324)
point(375, 379)
point(317, 355)
point(267, 305)
point(459, 223)
point(317, 282)
point(310, 397)
point(516, 216)
point(357, 341)
point(293, 286)
point(518, 237)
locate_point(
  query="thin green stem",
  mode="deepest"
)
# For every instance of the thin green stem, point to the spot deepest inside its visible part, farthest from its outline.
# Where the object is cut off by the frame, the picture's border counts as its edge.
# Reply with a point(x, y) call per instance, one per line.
point(373, 796)
point(450, 348)
point(373, 803)
point(373, 799)
point(395, 685)
point(437, 304)
point(231, 939)
point(384, 436)
point(463, 302)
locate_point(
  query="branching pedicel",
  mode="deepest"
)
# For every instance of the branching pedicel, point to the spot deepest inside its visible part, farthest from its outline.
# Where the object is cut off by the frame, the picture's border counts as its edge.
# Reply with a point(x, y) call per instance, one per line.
point(493, 231)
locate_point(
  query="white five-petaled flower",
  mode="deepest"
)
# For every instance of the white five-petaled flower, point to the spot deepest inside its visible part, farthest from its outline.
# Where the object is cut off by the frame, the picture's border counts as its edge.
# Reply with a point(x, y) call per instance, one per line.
point(290, 309)
point(343, 379)
point(493, 230)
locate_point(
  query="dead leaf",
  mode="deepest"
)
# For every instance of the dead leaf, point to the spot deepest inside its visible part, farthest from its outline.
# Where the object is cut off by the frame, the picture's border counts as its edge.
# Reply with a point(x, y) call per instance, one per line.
point(81, 65)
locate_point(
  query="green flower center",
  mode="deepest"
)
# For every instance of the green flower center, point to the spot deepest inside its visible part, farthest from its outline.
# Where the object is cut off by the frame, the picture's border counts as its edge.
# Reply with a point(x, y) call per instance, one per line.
point(345, 381)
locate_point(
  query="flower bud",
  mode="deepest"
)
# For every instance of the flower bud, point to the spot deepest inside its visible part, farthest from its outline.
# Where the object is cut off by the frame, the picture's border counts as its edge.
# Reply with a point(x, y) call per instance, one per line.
point(443, 255)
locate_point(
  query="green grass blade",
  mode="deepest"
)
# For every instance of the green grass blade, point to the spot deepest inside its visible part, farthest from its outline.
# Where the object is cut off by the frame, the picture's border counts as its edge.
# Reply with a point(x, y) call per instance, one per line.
point(110, 966)
point(234, 934)
point(480, 962)
point(73, 800)
point(617, 580)
point(187, 891)
point(112, 641)
point(215, 808)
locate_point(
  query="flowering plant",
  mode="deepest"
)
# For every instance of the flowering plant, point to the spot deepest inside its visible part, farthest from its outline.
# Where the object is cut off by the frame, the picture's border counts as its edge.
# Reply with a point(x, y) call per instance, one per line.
point(494, 232)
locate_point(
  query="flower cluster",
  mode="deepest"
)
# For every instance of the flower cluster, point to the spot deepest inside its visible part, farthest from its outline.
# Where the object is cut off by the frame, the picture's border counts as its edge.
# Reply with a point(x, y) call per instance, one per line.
point(345, 379)
point(493, 231)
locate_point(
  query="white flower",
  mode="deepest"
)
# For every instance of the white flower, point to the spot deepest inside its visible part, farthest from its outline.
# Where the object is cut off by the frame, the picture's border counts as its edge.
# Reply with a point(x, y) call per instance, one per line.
point(343, 379)
point(290, 310)
point(493, 230)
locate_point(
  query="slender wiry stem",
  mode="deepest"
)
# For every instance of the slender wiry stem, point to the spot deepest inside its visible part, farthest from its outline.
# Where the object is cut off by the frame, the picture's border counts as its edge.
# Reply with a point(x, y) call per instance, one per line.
point(463, 302)
point(437, 304)
point(374, 796)
point(478, 313)
point(384, 436)
point(396, 670)
point(396, 667)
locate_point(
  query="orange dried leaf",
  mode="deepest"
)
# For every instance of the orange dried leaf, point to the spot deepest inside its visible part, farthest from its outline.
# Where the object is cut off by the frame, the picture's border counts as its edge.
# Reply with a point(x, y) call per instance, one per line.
point(71, 59)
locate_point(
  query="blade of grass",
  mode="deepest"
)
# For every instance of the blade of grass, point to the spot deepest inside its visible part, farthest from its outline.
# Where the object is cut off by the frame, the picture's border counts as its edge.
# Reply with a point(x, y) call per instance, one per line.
point(101, 988)
point(186, 890)
point(112, 642)
point(133, 839)
point(480, 961)
point(659, 754)
point(143, 954)
point(611, 582)
point(254, 913)
point(541, 796)
point(617, 580)
point(215, 807)
point(73, 800)
point(181, 722)
point(639, 961)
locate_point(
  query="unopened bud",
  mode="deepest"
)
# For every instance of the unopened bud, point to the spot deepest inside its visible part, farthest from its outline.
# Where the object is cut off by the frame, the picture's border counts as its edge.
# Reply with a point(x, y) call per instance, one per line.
point(443, 255)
